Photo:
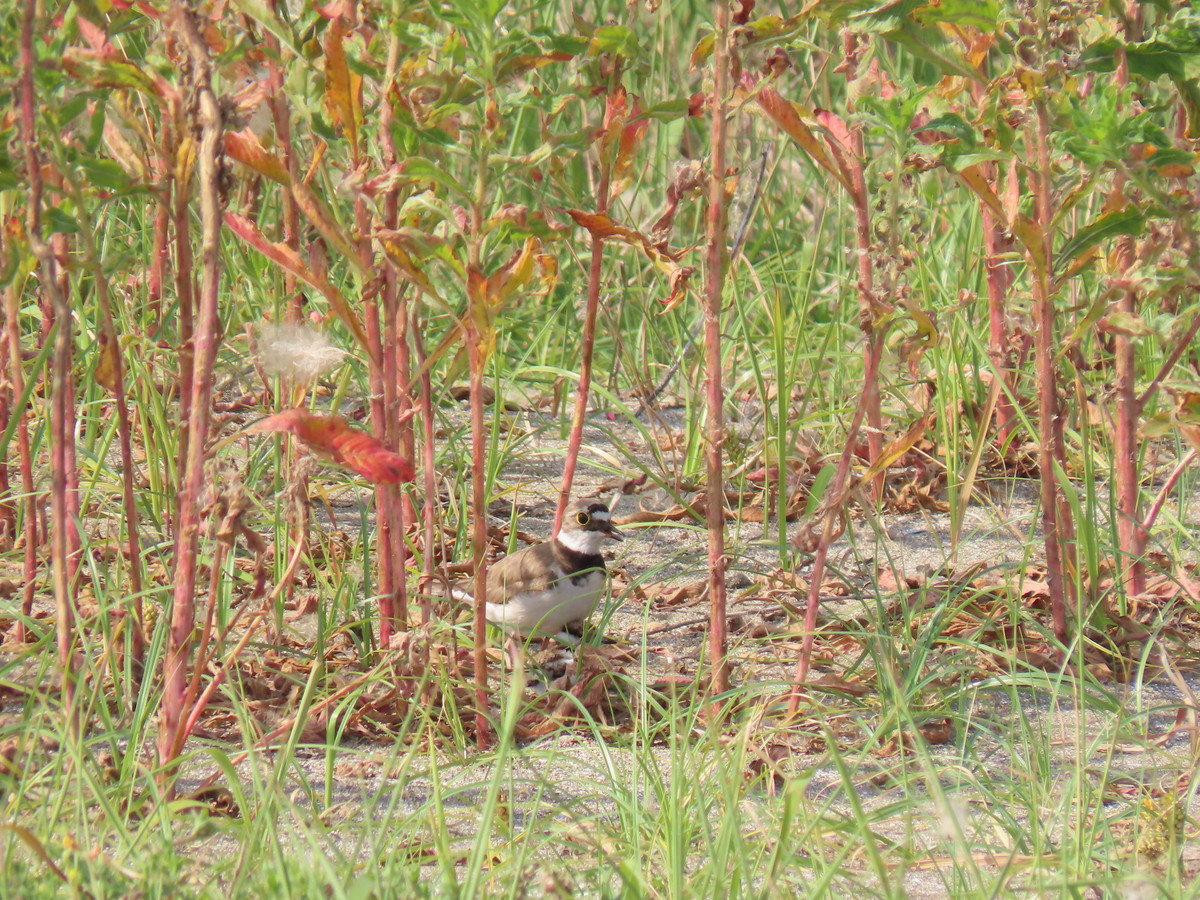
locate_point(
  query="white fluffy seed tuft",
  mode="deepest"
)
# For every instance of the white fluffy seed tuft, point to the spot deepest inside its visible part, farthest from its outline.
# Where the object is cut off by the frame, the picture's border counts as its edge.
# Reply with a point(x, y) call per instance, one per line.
point(296, 353)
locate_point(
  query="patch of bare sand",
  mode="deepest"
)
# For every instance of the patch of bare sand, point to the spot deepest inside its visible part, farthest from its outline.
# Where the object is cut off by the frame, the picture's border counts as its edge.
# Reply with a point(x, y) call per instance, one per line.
point(567, 780)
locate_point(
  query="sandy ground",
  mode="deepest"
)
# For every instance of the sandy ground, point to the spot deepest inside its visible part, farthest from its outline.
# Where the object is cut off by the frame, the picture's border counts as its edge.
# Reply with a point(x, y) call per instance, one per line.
point(570, 770)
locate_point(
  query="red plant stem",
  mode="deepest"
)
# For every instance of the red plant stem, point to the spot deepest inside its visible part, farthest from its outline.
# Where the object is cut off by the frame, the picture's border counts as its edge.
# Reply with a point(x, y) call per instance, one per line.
point(429, 474)
point(1169, 485)
point(1131, 537)
point(201, 662)
point(383, 493)
point(185, 293)
point(25, 455)
point(8, 506)
point(476, 359)
point(62, 421)
point(716, 256)
point(404, 442)
point(866, 276)
point(160, 251)
point(381, 386)
point(387, 496)
point(62, 268)
point(595, 273)
point(1182, 346)
point(391, 404)
point(479, 535)
point(1039, 260)
point(408, 439)
point(397, 395)
point(207, 117)
point(381, 329)
point(838, 492)
point(999, 279)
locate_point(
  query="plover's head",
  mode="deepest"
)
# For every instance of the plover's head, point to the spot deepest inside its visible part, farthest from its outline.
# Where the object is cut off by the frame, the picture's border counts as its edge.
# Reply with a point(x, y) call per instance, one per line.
point(586, 525)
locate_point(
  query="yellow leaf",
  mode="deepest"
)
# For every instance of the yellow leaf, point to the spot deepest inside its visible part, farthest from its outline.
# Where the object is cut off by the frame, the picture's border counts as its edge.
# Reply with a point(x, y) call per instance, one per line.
point(342, 87)
point(108, 365)
point(899, 446)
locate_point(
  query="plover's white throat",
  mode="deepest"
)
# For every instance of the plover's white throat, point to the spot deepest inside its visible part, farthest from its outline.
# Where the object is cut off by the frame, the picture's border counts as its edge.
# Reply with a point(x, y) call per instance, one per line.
point(545, 588)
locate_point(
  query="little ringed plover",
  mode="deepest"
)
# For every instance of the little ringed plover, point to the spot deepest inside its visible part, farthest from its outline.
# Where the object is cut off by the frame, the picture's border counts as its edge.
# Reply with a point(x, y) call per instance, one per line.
point(543, 589)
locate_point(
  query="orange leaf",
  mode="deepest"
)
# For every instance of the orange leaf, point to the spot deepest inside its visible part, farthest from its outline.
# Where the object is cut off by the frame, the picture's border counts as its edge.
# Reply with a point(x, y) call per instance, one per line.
point(317, 213)
point(1175, 170)
point(334, 439)
point(689, 180)
point(973, 178)
point(602, 226)
point(677, 279)
point(289, 259)
point(245, 147)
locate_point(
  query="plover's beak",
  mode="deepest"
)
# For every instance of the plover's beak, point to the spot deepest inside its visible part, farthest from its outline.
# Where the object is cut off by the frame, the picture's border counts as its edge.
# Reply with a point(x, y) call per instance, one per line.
point(610, 529)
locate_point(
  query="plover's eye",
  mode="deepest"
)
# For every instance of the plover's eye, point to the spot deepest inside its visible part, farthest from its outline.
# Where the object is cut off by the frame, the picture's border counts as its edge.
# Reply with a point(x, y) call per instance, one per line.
point(582, 518)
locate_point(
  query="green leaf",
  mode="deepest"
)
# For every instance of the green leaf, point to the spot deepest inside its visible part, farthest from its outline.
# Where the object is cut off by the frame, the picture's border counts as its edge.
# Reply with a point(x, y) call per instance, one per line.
point(106, 73)
point(73, 106)
point(8, 172)
point(615, 39)
point(417, 169)
point(1158, 426)
point(981, 14)
point(1173, 50)
point(567, 43)
point(667, 111)
point(1125, 323)
point(261, 12)
point(817, 492)
point(954, 125)
point(61, 221)
point(866, 15)
point(105, 174)
point(957, 162)
point(1126, 221)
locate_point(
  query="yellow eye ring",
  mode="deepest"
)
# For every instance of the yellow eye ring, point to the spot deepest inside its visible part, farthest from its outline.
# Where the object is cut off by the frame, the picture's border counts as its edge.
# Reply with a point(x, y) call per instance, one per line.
point(582, 518)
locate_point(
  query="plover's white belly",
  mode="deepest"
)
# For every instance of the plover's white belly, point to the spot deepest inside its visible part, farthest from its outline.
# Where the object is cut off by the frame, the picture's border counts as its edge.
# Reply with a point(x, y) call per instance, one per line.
point(549, 611)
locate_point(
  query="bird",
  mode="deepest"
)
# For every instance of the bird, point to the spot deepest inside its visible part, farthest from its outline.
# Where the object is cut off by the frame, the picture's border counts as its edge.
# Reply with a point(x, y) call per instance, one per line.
point(545, 589)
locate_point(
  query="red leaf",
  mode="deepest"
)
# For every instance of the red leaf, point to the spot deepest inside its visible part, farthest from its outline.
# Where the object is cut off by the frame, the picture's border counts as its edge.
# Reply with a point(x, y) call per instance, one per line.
point(630, 136)
point(96, 38)
point(333, 438)
point(787, 116)
point(334, 10)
